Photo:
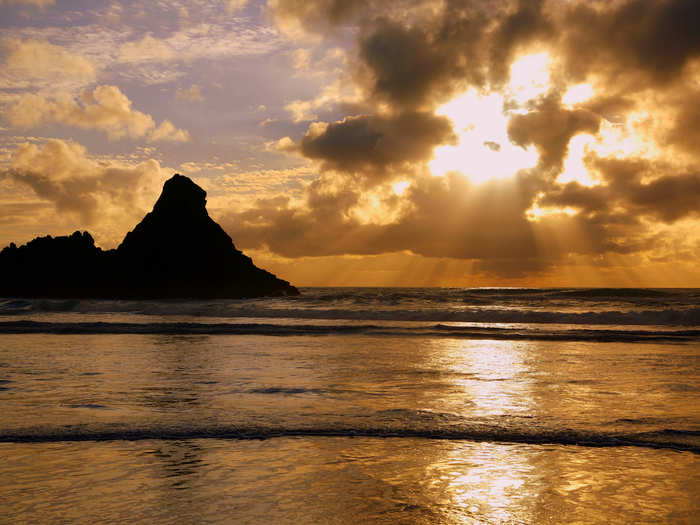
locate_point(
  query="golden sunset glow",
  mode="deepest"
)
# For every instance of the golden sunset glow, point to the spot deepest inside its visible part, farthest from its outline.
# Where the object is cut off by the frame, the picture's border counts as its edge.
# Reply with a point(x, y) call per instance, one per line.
point(350, 261)
point(493, 145)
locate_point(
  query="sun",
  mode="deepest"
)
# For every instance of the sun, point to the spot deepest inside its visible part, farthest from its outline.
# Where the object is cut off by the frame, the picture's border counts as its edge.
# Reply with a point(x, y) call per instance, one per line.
point(484, 150)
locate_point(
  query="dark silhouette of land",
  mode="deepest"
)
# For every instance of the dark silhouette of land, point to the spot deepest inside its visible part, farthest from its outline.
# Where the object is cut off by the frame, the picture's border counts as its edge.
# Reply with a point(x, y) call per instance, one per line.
point(176, 251)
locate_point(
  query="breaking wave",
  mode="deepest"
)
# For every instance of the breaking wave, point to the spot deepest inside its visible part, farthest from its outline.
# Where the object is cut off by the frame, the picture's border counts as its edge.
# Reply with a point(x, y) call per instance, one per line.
point(425, 311)
point(376, 330)
point(681, 440)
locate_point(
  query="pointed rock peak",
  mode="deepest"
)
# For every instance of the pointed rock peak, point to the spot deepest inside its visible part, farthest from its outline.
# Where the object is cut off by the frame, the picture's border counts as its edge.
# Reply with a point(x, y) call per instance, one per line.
point(181, 194)
point(176, 251)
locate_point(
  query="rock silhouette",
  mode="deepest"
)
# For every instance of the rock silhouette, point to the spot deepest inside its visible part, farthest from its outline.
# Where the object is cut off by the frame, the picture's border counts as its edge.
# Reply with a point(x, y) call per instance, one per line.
point(176, 251)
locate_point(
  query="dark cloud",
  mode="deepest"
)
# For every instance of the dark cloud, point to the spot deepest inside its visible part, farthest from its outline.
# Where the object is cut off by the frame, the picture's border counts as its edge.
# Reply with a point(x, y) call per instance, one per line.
point(525, 26)
point(639, 187)
point(684, 133)
point(446, 217)
point(550, 127)
point(418, 51)
point(609, 107)
point(653, 189)
point(412, 56)
point(415, 55)
point(318, 14)
point(509, 267)
point(374, 143)
point(487, 223)
point(419, 66)
point(653, 38)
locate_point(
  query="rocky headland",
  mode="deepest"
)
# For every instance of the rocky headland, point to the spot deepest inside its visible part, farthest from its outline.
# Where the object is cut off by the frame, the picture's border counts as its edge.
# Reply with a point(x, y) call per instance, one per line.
point(176, 251)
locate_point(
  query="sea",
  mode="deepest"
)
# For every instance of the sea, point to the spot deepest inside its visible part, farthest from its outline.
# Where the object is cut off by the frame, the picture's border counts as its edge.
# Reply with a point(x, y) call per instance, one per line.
point(354, 405)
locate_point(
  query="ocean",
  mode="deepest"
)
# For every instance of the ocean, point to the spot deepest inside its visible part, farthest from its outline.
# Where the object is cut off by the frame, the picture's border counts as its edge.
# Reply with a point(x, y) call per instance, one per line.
point(354, 405)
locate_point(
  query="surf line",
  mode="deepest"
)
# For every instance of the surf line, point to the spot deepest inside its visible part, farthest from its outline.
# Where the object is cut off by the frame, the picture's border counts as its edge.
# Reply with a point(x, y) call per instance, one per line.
point(437, 330)
point(567, 438)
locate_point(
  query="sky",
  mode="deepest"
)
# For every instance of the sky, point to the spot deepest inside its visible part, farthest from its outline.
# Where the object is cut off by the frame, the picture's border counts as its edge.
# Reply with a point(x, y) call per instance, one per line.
point(368, 142)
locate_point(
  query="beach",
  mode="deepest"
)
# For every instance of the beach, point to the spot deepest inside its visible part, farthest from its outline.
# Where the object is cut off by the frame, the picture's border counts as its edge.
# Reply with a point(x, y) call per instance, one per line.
point(346, 405)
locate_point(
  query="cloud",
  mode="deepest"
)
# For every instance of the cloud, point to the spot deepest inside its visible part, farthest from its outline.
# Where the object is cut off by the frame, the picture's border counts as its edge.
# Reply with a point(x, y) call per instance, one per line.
point(375, 143)
point(33, 62)
point(167, 132)
point(550, 128)
point(635, 187)
point(410, 66)
point(486, 224)
point(442, 217)
point(412, 56)
point(148, 49)
point(301, 59)
point(283, 145)
point(682, 116)
point(236, 188)
point(105, 108)
point(200, 41)
point(195, 167)
point(401, 62)
point(191, 94)
point(234, 6)
point(414, 53)
point(35, 3)
point(110, 196)
point(335, 93)
point(297, 16)
point(302, 110)
point(637, 39)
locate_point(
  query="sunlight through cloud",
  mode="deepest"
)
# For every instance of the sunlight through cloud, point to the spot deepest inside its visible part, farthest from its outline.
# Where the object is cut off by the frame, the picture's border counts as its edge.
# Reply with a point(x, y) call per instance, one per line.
point(577, 94)
point(401, 186)
point(574, 166)
point(626, 139)
point(484, 151)
point(536, 212)
point(529, 77)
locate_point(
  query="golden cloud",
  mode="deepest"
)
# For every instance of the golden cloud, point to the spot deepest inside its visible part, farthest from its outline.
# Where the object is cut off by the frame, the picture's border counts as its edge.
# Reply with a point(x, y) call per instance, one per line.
point(30, 62)
point(108, 196)
point(35, 3)
point(105, 108)
point(633, 128)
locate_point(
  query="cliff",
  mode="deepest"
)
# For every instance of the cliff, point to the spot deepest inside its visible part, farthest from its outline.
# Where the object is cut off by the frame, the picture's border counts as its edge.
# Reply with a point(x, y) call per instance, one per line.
point(176, 251)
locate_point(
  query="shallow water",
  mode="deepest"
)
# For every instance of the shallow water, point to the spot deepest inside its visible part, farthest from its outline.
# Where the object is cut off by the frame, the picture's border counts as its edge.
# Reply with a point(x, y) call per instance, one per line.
point(400, 423)
point(345, 480)
point(93, 386)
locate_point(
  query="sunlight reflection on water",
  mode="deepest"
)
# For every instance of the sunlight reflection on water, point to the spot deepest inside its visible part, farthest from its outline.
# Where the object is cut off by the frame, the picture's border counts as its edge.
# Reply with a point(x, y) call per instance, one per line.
point(79, 387)
point(494, 376)
point(345, 480)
